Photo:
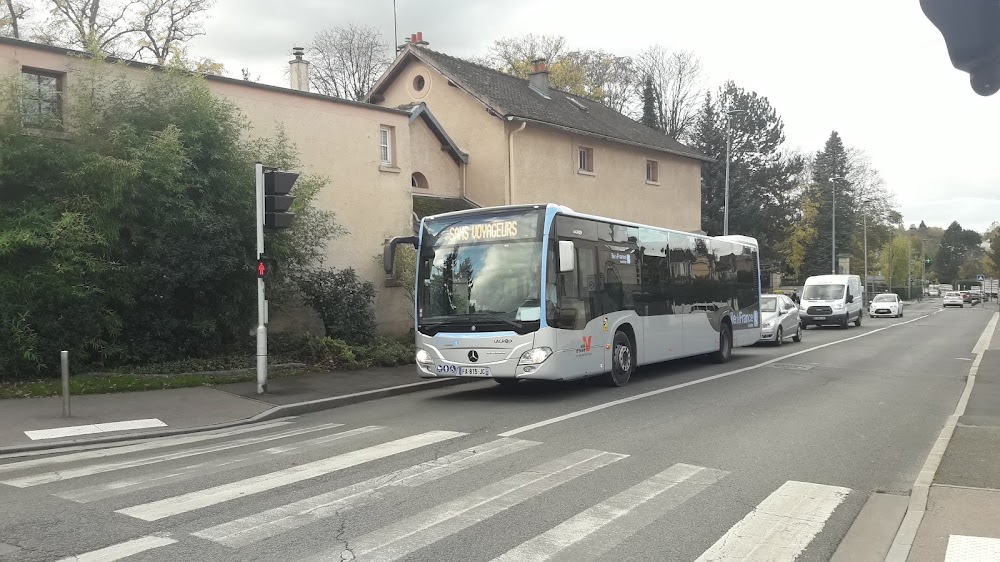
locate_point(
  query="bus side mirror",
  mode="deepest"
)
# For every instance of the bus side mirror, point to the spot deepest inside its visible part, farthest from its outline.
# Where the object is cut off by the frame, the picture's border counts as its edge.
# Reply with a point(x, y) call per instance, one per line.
point(389, 251)
point(567, 256)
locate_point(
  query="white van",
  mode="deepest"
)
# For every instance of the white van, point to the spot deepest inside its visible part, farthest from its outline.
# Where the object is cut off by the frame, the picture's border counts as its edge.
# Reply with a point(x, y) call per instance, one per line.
point(832, 300)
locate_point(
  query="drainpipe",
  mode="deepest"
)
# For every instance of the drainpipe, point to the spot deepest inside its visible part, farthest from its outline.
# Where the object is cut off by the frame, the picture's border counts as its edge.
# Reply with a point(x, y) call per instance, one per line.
point(510, 160)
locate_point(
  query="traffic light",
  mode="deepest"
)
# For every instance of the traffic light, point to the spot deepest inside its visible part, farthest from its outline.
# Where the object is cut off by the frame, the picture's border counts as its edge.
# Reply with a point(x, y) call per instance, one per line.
point(277, 201)
point(928, 261)
point(265, 267)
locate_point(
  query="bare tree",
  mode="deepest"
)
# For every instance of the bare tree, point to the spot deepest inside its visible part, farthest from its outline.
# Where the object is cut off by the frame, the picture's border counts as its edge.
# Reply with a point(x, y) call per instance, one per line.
point(166, 23)
point(348, 60)
point(607, 78)
point(149, 30)
point(676, 78)
point(513, 55)
point(15, 12)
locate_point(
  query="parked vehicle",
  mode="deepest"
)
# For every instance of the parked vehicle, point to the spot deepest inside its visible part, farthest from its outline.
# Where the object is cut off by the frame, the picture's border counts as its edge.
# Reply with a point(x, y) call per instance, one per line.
point(779, 317)
point(953, 298)
point(832, 300)
point(886, 304)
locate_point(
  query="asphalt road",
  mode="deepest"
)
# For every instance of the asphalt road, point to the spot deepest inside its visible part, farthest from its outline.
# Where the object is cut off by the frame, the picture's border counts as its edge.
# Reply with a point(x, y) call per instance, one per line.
point(767, 457)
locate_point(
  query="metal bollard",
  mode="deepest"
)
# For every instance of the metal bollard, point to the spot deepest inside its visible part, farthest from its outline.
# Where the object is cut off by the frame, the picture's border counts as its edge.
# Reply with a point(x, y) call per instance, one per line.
point(65, 383)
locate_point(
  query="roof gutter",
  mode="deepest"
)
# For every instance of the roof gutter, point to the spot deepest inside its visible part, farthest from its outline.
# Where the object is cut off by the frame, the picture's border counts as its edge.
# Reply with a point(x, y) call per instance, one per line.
point(702, 158)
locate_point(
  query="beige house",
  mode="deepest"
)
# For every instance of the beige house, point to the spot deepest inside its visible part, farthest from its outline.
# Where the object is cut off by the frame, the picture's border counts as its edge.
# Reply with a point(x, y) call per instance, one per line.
point(529, 143)
point(366, 152)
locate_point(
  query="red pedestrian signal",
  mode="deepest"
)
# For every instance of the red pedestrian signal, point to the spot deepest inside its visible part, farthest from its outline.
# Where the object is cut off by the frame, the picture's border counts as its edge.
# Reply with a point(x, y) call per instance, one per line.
point(265, 267)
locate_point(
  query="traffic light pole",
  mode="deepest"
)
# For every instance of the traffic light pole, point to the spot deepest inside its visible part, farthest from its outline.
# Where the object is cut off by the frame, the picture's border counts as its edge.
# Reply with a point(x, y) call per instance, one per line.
point(261, 320)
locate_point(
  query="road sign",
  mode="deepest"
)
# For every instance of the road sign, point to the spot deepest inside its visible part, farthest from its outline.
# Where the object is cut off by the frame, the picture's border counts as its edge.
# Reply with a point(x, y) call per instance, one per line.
point(980, 278)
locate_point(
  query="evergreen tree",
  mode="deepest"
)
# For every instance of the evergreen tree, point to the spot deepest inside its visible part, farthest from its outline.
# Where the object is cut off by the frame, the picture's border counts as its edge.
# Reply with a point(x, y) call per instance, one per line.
point(831, 162)
point(951, 254)
point(649, 115)
point(761, 175)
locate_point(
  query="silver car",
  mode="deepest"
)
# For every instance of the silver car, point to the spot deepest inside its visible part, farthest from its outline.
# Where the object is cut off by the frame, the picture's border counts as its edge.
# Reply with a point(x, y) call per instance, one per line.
point(779, 318)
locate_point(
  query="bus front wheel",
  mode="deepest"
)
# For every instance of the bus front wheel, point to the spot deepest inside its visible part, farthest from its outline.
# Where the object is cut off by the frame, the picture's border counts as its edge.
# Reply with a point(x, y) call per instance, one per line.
point(622, 361)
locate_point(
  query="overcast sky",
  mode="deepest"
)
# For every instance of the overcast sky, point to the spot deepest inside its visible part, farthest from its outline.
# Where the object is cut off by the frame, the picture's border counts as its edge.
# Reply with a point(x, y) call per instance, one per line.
point(875, 71)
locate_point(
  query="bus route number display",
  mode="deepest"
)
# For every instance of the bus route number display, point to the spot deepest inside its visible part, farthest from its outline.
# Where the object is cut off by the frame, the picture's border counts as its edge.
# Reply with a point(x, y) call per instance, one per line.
point(499, 230)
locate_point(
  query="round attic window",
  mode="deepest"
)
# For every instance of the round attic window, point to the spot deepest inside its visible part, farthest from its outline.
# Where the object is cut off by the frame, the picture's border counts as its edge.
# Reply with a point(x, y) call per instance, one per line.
point(418, 83)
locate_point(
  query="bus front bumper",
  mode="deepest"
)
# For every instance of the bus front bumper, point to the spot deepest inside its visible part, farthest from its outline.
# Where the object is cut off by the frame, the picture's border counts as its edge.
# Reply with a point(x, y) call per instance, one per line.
point(500, 370)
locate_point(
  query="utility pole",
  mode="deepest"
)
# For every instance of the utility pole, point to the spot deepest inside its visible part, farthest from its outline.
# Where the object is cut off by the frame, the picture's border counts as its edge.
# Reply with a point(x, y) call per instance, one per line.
point(833, 225)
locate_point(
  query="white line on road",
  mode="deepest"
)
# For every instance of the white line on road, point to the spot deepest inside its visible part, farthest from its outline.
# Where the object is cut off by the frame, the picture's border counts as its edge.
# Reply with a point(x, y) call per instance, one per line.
point(781, 526)
point(618, 402)
point(676, 485)
point(429, 526)
point(963, 548)
point(68, 474)
point(905, 535)
point(254, 528)
point(145, 481)
point(121, 550)
point(158, 443)
point(184, 503)
point(93, 428)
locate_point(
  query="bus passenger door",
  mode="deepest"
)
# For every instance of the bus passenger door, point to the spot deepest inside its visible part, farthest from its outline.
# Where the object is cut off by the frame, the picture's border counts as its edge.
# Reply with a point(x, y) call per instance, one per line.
point(580, 337)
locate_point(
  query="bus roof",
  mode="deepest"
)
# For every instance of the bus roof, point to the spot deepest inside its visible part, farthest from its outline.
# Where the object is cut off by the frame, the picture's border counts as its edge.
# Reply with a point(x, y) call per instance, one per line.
point(562, 209)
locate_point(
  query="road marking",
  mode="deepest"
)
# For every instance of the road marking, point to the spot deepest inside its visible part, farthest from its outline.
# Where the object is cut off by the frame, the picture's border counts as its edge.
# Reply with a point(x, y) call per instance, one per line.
point(146, 481)
point(158, 443)
point(781, 526)
point(965, 358)
point(93, 428)
point(962, 548)
point(254, 528)
point(184, 503)
point(121, 550)
point(673, 487)
point(620, 401)
point(903, 542)
point(431, 525)
point(68, 474)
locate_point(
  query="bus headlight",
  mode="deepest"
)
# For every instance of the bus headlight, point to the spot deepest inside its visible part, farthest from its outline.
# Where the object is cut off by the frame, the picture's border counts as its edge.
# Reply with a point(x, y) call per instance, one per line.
point(534, 356)
point(423, 356)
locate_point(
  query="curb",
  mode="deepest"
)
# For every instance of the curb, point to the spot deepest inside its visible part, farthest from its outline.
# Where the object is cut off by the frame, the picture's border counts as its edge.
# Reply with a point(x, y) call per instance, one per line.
point(274, 413)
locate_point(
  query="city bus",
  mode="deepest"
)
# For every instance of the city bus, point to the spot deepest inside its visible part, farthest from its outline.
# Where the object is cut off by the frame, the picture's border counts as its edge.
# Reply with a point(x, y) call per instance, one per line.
point(542, 292)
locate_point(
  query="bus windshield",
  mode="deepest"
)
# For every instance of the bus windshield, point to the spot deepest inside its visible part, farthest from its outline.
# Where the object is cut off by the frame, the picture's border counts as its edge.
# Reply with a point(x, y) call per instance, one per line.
point(480, 270)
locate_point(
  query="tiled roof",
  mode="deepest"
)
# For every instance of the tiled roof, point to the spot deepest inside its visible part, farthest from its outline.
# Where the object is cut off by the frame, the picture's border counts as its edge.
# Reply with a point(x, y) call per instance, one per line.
point(512, 97)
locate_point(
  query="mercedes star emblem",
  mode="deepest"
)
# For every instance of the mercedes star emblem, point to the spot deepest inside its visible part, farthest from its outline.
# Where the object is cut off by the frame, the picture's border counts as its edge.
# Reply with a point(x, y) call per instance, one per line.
point(473, 356)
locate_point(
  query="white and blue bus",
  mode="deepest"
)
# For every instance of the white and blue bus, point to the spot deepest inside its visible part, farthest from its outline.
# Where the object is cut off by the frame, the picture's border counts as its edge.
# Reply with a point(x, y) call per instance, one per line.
point(542, 292)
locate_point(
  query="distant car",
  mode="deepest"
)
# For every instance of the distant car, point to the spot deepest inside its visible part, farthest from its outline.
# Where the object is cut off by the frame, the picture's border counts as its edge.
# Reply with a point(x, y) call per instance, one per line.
point(953, 298)
point(779, 317)
point(886, 304)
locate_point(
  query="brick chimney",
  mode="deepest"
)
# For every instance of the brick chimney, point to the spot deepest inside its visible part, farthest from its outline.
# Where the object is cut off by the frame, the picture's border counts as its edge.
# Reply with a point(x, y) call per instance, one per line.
point(300, 70)
point(538, 78)
point(417, 39)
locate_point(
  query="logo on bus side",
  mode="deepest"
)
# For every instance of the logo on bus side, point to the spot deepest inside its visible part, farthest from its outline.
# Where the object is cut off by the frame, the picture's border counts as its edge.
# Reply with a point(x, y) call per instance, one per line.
point(587, 340)
point(743, 319)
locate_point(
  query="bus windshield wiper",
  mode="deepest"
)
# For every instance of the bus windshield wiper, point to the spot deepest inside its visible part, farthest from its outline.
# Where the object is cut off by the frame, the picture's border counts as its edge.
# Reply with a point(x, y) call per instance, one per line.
point(492, 318)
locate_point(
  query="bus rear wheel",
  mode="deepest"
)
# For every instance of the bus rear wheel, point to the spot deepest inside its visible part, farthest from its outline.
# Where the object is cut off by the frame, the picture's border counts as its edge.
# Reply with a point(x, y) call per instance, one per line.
point(725, 344)
point(622, 361)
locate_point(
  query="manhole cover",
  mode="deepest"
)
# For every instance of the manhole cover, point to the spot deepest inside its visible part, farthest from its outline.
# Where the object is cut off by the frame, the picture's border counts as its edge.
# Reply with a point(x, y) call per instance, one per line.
point(793, 367)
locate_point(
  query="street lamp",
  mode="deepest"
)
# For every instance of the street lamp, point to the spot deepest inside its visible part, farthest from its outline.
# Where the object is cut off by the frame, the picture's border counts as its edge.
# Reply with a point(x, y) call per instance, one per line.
point(729, 148)
point(833, 224)
point(864, 222)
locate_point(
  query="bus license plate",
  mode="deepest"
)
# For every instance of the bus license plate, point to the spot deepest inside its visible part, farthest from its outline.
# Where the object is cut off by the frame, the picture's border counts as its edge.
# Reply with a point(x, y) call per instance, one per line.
point(474, 371)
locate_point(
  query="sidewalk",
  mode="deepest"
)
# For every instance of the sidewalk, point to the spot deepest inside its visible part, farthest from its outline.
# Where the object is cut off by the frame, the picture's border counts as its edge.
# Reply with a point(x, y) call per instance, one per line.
point(174, 411)
point(962, 517)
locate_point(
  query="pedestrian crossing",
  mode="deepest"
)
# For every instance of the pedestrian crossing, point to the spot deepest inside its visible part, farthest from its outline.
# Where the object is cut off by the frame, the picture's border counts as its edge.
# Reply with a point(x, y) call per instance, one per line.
point(285, 491)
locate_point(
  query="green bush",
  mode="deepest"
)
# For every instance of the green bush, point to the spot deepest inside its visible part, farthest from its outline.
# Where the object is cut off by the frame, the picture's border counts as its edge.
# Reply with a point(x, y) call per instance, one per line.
point(129, 238)
point(380, 352)
point(345, 303)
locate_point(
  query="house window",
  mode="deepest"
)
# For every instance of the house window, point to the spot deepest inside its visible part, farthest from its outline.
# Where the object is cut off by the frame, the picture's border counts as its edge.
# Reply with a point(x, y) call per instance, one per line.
point(418, 180)
point(385, 145)
point(652, 171)
point(43, 98)
point(586, 159)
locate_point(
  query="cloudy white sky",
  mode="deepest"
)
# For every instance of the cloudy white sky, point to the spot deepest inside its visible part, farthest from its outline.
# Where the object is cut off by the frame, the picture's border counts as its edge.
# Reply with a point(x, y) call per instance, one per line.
point(875, 71)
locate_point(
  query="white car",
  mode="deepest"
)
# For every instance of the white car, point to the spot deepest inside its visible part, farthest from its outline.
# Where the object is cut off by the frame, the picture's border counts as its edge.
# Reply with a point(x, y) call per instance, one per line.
point(953, 298)
point(886, 304)
point(779, 318)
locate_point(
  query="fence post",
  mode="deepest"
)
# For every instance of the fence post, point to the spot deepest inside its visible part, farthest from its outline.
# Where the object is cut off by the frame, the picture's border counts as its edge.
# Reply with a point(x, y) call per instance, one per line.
point(65, 383)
